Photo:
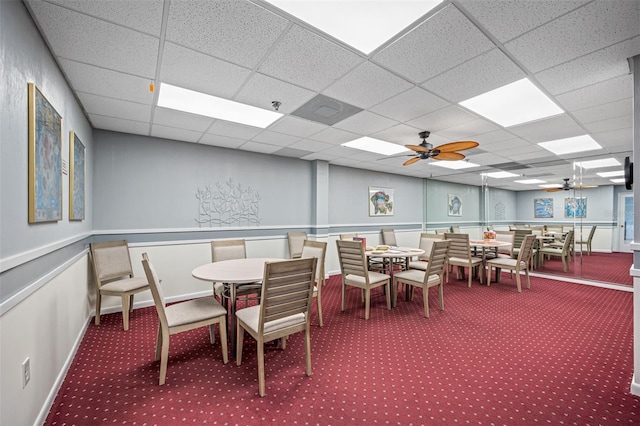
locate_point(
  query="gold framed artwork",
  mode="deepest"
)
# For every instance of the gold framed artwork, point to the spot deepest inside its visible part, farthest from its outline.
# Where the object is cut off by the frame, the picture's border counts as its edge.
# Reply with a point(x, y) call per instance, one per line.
point(45, 159)
point(380, 201)
point(76, 177)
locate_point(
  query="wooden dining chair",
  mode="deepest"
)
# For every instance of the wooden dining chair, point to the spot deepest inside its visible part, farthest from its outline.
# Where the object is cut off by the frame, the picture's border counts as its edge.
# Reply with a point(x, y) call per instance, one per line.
point(353, 266)
point(460, 256)
point(228, 250)
point(287, 290)
point(521, 263)
point(426, 244)
point(586, 241)
point(295, 241)
point(564, 253)
point(113, 275)
point(183, 316)
point(431, 277)
point(317, 249)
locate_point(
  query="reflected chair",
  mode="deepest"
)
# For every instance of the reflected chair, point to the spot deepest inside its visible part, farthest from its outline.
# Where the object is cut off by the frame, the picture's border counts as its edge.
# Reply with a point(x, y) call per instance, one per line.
point(564, 252)
point(442, 231)
point(114, 276)
point(296, 240)
point(431, 277)
point(460, 256)
point(350, 236)
point(505, 237)
point(287, 290)
point(353, 266)
point(426, 244)
point(228, 250)
point(183, 316)
point(586, 241)
point(317, 249)
point(517, 243)
point(521, 263)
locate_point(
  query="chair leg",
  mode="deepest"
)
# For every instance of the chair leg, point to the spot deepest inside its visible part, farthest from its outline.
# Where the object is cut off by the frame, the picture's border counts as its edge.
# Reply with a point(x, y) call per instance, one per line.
point(389, 295)
point(239, 343)
point(489, 275)
point(526, 272)
point(125, 312)
point(343, 295)
point(425, 300)
point(98, 303)
point(307, 350)
point(158, 343)
point(223, 339)
point(164, 359)
point(441, 294)
point(367, 299)
point(518, 281)
point(261, 381)
point(319, 302)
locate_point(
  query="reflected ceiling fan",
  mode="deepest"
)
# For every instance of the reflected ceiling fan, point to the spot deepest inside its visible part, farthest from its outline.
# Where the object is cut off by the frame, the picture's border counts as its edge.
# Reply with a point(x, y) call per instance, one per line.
point(448, 151)
point(566, 186)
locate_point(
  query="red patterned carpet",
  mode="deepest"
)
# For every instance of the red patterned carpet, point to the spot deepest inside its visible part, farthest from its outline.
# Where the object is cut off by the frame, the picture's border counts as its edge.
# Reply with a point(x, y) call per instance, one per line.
point(603, 267)
point(559, 353)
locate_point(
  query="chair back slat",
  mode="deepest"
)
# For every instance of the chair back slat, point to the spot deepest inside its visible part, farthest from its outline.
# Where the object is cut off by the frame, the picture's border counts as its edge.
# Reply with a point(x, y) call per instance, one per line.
point(526, 248)
point(352, 258)
point(460, 246)
point(438, 258)
point(287, 289)
point(111, 260)
point(519, 236)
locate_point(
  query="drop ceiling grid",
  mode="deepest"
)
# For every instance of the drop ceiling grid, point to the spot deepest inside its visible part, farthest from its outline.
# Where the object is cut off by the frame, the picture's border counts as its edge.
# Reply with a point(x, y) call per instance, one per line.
point(429, 49)
point(410, 104)
point(95, 104)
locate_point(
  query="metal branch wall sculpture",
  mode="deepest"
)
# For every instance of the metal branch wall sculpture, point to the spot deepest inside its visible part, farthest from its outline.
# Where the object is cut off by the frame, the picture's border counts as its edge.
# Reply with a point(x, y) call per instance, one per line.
point(226, 204)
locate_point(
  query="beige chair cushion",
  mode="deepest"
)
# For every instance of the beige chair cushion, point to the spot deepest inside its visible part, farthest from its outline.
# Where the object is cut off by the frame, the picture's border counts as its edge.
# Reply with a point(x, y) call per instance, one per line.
point(193, 311)
point(419, 264)
point(126, 284)
point(251, 316)
point(374, 277)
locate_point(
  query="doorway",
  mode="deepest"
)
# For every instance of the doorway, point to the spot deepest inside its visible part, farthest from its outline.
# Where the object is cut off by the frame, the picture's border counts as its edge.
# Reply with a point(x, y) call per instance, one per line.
point(625, 222)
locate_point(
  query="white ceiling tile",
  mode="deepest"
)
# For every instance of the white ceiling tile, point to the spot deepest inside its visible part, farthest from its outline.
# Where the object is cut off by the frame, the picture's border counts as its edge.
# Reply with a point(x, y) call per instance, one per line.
point(334, 136)
point(119, 125)
point(260, 90)
point(408, 105)
point(509, 19)
point(236, 31)
point(608, 91)
point(496, 136)
point(365, 123)
point(443, 119)
point(204, 73)
point(594, 26)
point(290, 125)
point(557, 127)
point(401, 134)
point(355, 87)
point(590, 69)
point(274, 138)
point(260, 147)
point(615, 138)
point(481, 74)
point(233, 130)
point(174, 133)
point(619, 108)
point(306, 59)
point(221, 141)
point(100, 81)
point(442, 42)
point(310, 145)
point(617, 123)
point(182, 120)
point(141, 15)
point(340, 151)
point(470, 128)
point(97, 42)
point(100, 105)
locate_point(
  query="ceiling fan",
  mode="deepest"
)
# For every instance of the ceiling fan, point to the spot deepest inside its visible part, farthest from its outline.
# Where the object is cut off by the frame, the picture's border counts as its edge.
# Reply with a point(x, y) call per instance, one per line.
point(447, 151)
point(566, 186)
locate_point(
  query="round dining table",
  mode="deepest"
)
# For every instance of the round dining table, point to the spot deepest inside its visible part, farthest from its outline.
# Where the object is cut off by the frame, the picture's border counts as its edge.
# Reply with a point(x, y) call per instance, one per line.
point(233, 272)
point(394, 253)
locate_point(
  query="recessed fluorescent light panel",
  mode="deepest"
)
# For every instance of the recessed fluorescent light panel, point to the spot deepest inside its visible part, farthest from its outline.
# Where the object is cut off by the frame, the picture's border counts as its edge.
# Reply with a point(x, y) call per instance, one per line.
point(364, 25)
point(456, 165)
point(551, 185)
point(500, 175)
point(193, 102)
point(529, 181)
point(611, 174)
point(594, 164)
point(570, 145)
point(516, 103)
point(376, 145)
point(621, 180)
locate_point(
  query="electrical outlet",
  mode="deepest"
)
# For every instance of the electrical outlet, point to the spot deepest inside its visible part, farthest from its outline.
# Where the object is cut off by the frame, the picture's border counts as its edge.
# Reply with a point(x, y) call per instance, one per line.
point(26, 372)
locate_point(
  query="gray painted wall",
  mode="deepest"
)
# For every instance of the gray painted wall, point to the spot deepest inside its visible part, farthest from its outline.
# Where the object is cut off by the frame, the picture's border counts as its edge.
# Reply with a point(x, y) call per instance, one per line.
point(24, 58)
point(437, 200)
